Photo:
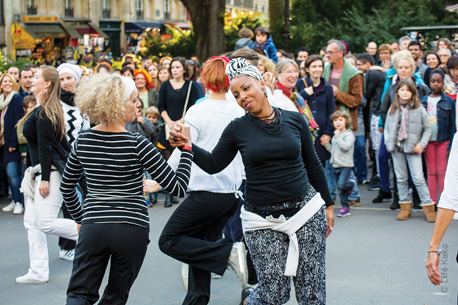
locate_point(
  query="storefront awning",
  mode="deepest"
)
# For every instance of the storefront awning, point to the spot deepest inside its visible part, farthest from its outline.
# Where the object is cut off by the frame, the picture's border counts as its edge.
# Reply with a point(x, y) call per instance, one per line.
point(97, 30)
point(140, 27)
point(22, 39)
point(54, 30)
point(70, 30)
point(181, 25)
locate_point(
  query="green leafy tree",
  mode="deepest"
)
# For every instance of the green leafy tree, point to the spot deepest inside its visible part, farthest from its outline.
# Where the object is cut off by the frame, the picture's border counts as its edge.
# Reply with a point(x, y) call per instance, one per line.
point(314, 22)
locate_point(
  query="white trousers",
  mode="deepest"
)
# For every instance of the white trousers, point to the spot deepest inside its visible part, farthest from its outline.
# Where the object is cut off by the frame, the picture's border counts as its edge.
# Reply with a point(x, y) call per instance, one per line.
point(40, 217)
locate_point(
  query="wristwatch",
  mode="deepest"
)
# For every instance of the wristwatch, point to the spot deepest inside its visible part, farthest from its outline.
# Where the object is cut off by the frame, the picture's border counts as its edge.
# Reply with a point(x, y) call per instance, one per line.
point(438, 251)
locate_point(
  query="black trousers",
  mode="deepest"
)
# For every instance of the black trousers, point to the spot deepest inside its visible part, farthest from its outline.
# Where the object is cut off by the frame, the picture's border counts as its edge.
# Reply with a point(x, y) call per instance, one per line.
point(190, 236)
point(124, 244)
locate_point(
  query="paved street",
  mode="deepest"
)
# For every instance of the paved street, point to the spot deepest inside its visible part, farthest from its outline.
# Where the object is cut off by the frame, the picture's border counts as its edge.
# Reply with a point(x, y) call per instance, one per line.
point(371, 259)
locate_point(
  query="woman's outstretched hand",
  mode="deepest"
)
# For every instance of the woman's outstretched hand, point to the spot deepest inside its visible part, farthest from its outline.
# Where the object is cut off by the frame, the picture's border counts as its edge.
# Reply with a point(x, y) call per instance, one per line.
point(180, 136)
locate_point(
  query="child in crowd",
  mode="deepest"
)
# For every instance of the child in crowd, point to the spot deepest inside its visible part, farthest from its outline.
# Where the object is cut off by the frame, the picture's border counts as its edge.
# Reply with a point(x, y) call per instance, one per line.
point(152, 114)
point(342, 148)
point(441, 112)
point(407, 132)
point(264, 42)
point(28, 104)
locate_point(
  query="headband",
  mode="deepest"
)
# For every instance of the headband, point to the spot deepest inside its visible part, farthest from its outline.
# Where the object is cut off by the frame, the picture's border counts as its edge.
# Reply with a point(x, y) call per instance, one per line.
point(226, 83)
point(129, 86)
point(74, 70)
point(240, 66)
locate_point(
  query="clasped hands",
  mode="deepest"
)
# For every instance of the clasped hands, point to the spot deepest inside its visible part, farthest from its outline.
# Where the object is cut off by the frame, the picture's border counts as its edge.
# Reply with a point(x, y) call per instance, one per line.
point(180, 135)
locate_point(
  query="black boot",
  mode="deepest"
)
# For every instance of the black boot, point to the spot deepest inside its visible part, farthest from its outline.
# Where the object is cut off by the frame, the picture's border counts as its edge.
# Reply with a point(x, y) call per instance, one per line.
point(168, 201)
point(382, 195)
point(395, 205)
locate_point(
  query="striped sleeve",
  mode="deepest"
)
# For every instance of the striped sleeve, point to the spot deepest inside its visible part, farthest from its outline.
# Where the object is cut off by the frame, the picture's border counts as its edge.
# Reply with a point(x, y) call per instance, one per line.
point(151, 160)
point(70, 178)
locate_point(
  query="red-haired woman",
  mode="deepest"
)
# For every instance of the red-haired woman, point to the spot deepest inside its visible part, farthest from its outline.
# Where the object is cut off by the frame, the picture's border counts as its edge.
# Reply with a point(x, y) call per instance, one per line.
point(190, 234)
point(145, 87)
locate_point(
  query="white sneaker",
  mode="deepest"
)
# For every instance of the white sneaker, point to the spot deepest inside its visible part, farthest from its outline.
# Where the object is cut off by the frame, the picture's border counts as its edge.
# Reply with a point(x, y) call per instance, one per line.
point(216, 276)
point(237, 262)
point(455, 217)
point(27, 279)
point(18, 208)
point(68, 255)
point(9, 207)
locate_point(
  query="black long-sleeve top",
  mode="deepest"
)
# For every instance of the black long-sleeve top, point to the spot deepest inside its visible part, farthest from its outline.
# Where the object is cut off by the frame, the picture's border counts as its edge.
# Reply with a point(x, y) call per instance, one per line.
point(279, 167)
point(45, 146)
point(114, 163)
point(173, 101)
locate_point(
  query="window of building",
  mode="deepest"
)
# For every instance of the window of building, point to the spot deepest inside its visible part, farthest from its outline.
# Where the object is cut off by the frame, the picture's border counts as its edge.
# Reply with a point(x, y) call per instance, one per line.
point(166, 9)
point(139, 8)
point(68, 8)
point(31, 7)
point(106, 8)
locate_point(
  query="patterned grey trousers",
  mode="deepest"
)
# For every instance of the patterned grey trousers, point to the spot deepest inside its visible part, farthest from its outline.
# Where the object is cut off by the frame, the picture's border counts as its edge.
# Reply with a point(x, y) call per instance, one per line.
point(269, 250)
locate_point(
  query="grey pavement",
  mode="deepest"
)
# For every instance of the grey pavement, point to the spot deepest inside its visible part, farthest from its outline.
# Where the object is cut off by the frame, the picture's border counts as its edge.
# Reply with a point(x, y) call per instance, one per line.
point(371, 259)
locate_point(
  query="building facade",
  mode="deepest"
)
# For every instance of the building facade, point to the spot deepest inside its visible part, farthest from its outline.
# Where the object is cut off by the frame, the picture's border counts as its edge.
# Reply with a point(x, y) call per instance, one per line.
point(47, 28)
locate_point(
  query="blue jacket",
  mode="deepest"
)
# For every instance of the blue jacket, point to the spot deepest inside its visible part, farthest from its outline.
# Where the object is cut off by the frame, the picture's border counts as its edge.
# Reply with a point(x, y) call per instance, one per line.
point(322, 105)
point(13, 114)
point(269, 49)
point(445, 118)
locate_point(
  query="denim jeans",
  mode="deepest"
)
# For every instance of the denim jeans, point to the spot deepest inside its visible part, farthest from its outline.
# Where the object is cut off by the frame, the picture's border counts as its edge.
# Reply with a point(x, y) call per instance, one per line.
point(384, 166)
point(342, 176)
point(14, 180)
point(330, 179)
point(414, 163)
point(360, 158)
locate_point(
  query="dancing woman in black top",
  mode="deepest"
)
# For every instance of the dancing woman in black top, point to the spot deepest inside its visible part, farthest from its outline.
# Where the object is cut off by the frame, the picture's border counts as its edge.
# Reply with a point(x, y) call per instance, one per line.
point(285, 191)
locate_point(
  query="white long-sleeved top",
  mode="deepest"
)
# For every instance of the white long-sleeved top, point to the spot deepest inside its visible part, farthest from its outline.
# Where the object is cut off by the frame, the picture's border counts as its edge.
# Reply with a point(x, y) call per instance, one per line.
point(208, 120)
point(449, 197)
point(283, 101)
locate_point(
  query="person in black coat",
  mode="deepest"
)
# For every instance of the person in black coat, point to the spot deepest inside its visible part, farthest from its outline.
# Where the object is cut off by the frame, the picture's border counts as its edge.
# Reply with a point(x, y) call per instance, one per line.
point(11, 113)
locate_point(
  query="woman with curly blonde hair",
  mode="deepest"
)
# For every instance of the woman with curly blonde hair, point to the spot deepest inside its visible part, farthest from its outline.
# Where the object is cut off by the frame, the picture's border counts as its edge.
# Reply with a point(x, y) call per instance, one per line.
point(115, 225)
point(48, 150)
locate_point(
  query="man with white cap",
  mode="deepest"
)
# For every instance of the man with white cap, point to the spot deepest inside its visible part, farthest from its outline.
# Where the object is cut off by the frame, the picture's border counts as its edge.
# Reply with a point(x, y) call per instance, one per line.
point(69, 76)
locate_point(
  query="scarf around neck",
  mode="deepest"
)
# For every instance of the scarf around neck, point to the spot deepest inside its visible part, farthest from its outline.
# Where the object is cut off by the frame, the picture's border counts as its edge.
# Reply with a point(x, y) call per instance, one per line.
point(5, 102)
point(302, 106)
point(67, 97)
point(403, 131)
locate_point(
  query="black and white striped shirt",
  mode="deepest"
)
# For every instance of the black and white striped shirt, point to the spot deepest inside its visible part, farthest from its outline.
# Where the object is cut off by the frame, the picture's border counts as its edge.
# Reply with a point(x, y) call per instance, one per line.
point(114, 164)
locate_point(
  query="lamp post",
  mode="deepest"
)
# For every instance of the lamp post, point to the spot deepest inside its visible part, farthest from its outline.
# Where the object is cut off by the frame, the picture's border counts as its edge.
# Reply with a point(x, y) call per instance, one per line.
point(285, 34)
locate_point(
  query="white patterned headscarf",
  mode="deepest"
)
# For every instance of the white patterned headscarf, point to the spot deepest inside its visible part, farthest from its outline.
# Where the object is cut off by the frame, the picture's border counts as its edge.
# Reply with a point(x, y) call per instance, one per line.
point(240, 66)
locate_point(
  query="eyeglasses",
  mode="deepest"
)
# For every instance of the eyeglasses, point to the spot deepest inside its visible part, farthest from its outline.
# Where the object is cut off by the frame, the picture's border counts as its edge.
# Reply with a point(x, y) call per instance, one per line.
point(444, 55)
point(290, 72)
point(330, 52)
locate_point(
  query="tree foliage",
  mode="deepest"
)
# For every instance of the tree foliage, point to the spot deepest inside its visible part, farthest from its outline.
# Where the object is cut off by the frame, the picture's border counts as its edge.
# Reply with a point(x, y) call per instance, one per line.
point(358, 22)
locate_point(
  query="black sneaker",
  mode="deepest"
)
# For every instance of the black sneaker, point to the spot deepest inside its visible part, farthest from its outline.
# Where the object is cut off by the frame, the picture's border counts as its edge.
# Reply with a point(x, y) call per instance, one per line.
point(382, 195)
point(245, 293)
point(374, 185)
